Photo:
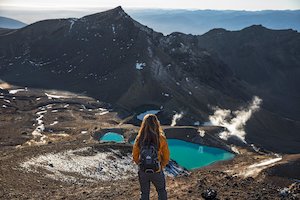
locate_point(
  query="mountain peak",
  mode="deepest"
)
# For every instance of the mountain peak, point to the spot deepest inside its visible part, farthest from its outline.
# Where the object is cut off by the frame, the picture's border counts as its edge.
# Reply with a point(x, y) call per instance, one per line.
point(255, 27)
point(112, 13)
point(116, 15)
point(119, 9)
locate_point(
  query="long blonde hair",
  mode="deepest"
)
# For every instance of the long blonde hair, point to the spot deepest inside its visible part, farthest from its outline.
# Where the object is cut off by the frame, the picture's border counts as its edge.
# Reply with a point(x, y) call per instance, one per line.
point(150, 130)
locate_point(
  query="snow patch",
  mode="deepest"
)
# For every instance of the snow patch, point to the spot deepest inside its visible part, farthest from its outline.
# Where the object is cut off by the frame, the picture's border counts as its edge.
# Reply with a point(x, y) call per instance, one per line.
point(255, 169)
point(265, 163)
point(140, 66)
point(53, 96)
point(38, 137)
point(254, 148)
point(7, 101)
point(72, 22)
point(16, 91)
point(55, 122)
point(49, 106)
point(113, 29)
point(110, 165)
point(102, 113)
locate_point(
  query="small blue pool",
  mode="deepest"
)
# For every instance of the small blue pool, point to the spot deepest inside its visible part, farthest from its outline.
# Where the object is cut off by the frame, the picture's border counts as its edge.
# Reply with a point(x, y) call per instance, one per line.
point(112, 137)
point(142, 115)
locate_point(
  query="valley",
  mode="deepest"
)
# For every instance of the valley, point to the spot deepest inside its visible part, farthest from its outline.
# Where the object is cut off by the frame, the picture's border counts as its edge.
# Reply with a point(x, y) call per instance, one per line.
point(65, 83)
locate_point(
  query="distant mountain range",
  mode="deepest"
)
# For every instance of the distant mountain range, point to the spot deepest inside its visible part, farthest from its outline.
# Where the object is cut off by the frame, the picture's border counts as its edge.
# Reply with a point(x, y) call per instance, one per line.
point(10, 23)
point(200, 21)
point(186, 21)
point(116, 59)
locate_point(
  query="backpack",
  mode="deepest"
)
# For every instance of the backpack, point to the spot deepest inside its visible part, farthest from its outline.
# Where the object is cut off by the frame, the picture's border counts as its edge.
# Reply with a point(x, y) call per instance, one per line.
point(149, 162)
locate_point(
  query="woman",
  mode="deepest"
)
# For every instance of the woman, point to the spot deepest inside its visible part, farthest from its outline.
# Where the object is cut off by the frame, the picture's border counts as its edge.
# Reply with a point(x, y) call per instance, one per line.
point(151, 133)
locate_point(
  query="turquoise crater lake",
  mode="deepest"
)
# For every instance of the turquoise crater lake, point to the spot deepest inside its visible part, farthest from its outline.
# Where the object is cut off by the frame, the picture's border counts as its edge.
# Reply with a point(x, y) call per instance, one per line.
point(193, 156)
point(112, 137)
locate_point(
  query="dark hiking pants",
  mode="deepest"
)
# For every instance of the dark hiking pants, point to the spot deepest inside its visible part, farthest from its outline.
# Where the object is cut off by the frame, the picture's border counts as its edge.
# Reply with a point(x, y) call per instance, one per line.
point(158, 180)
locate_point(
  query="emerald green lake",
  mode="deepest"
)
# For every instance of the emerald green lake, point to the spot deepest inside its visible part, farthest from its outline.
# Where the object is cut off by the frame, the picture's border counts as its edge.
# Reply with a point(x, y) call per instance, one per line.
point(112, 137)
point(192, 156)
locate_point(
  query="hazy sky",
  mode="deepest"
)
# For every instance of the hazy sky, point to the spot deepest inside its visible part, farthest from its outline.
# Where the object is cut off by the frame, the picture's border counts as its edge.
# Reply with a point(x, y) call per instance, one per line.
point(30, 11)
point(188, 4)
